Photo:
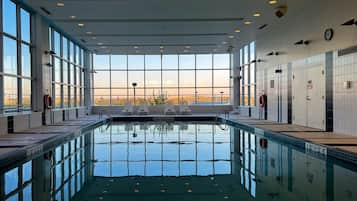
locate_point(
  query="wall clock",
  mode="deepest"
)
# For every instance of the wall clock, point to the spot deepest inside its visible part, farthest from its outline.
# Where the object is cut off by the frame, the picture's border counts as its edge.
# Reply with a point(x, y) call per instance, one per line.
point(328, 34)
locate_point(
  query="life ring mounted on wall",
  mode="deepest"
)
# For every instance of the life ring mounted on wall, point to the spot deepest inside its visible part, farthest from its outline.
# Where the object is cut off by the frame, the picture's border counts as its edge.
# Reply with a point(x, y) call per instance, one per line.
point(47, 100)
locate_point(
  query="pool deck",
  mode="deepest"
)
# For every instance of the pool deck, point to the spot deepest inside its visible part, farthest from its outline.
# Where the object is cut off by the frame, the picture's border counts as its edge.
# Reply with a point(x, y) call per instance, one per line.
point(19, 143)
point(331, 139)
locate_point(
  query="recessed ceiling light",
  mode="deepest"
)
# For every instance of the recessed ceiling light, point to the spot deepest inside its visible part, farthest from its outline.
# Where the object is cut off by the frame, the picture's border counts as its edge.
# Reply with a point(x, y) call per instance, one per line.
point(188, 47)
point(60, 4)
point(136, 47)
point(137, 51)
point(99, 43)
point(103, 47)
point(256, 14)
point(224, 42)
point(272, 2)
point(80, 24)
point(247, 22)
point(161, 47)
point(231, 36)
point(88, 32)
point(72, 17)
point(185, 50)
point(94, 37)
point(237, 31)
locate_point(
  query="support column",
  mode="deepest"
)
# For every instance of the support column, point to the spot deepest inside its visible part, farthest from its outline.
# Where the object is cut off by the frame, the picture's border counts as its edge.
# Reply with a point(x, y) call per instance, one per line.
point(329, 91)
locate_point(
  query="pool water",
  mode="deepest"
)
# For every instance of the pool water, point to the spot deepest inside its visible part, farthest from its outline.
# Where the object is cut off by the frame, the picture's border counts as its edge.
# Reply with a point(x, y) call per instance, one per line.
point(178, 161)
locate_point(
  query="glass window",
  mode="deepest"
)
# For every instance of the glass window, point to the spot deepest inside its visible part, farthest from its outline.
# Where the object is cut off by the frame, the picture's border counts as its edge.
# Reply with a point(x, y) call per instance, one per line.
point(101, 61)
point(65, 48)
point(136, 62)
point(65, 96)
point(152, 62)
point(119, 79)
point(25, 60)
point(187, 95)
point(252, 51)
point(204, 61)
point(78, 74)
point(25, 26)
point(71, 51)
point(101, 96)
point(16, 81)
point(73, 96)
point(204, 95)
point(119, 96)
point(26, 93)
point(153, 79)
point(65, 72)
point(102, 79)
point(118, 62)
point(221, 61)
point(136, 77)
point(221, 95)
point(187, 61)
point(10, 56)
point(10, 93)
point(169, 62)
point(171, 95)
point(204, 78)
point(57, 43)
point(73, 74)
point(174, 77)
point(58, 95)
point(77, 54)
point(221, 78)
point(9, 17)
point(187, 78)
point(170, 78)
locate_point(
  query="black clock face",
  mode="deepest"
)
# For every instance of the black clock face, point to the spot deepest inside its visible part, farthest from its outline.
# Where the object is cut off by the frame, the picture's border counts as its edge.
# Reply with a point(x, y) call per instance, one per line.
point(328, 34)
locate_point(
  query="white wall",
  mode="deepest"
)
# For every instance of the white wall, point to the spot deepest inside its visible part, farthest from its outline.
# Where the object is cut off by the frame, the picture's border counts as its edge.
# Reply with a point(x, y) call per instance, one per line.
point(345, 100)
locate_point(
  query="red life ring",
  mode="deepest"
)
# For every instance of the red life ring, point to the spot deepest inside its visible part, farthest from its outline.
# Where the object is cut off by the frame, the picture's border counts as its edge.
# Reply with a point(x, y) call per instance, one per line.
point(47, 99)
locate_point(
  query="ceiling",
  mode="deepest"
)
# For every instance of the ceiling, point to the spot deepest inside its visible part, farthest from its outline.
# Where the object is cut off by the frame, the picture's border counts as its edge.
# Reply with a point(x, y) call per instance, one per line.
point(170, 26)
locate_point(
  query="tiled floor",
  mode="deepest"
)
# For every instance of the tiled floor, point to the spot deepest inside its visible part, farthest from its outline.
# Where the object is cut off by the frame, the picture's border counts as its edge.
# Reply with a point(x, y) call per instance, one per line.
point(18, 140)
point(339, 141)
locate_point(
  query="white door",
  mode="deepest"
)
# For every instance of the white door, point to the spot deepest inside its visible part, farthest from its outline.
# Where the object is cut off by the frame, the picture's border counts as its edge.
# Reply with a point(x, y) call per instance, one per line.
point(299, 105)
point(308, 90)
point(316, 97)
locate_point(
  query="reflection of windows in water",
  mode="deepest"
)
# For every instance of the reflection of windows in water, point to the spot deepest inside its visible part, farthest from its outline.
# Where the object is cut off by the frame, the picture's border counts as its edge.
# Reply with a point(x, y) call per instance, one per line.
point(68, 170)
point(18, 181)
point(162, 150)
point(248, 159)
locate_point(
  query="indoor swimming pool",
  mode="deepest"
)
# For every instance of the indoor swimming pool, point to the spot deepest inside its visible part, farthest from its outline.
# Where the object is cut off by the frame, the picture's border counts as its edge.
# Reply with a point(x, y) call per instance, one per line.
point(177, 161)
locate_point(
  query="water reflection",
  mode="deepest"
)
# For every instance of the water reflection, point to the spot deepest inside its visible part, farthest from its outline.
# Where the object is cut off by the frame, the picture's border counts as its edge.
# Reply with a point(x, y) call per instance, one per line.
point(174, 162)
point(161, 150)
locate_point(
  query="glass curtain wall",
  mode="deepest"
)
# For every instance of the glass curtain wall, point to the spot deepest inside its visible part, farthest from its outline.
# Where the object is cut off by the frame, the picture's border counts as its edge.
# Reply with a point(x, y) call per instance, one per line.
point(189, 78)
point(15, 71)
point(68, 71)
point(248, 75)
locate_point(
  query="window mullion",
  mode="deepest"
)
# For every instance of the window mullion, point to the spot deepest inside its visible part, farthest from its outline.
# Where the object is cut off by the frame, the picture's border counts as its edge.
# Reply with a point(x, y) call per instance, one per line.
point(1, 65)
point(18, 57)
